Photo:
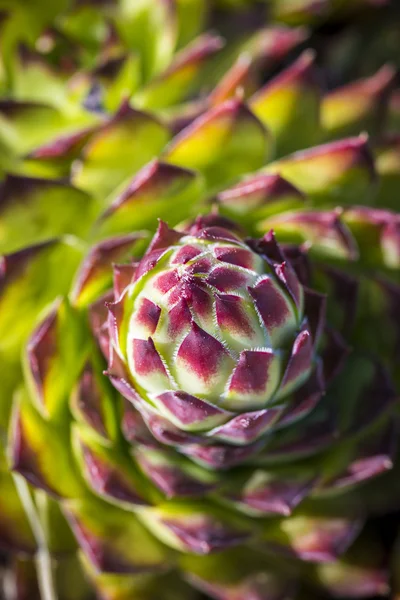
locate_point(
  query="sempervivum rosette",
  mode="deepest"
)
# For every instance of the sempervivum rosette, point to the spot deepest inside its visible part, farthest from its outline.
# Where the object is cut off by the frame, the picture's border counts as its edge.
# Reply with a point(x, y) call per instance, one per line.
point(235, 457)
point(245, 410)
point(214, 340)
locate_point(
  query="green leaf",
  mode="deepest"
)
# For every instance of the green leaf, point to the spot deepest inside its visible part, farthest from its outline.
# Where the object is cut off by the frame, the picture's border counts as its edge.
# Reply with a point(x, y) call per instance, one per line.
point(119, 148)
point(32, 210)
point(123, 84)
point(148, 27)
point(30, 279)
point(55, 355)
point(387, 160)
point(139, 587)
point(109, 472)
point(158, 191)
point(182, 76)
point(95, 275)
point(289, 106)
point(40, 451)
point(357, 106)
point(191, 18)
point(339, 172)
point(111, 537)
point(24, 125)
point(223, 144)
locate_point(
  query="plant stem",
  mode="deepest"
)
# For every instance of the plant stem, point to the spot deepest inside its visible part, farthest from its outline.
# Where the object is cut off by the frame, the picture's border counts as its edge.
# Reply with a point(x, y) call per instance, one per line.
point(43, 559)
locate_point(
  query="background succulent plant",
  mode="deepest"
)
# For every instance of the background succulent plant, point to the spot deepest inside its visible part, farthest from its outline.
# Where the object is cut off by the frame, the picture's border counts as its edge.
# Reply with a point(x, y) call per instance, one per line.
point(242, 443)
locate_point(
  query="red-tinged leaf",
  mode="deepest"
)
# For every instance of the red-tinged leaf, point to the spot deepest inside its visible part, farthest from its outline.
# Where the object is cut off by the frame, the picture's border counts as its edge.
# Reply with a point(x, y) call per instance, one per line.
point(66, 146)
point(56, 352)
point(238, 257)
point(92, 403)
point(228, 280)
point(221, 456)
point(145, 318)
point(237, 322)
point(123, 276)
point(239, 78)
point(188, 412)
point(342, 168)
point(258, 196)
point(181, 77)
point(211, 143)
point(300, 362)
point(172, 476)
point(119, 148)
point(147, 367)
point(254, 380)
point(357, 106)
point(323, 233)
point(110, 536)
point(206, 360)
point(96, 272)
point(197, 528)
point(269, 493)
point(289, 105)
point(108, 475)
point(275, 310)
point(315, 539)
point(134, 427)
point(246, 428)
point(158, 190)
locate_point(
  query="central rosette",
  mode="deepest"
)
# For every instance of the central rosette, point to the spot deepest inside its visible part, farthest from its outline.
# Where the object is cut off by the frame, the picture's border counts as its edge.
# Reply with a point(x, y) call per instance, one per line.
point(209, 327)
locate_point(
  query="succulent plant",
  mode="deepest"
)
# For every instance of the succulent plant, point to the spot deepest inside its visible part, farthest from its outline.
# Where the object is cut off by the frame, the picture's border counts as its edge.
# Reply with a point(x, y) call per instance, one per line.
point(204, 408)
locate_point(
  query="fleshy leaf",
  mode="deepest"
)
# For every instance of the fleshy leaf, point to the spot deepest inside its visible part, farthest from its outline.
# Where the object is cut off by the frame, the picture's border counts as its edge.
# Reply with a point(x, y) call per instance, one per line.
point(93, 402)
point(360, 572)
point(241, 574)
point(223, 144)
point(316, 539)
point(188, 412)
point(175, 476)
point(110, 536)
point(357, 106)
point(342, 169)
point(158, 191)
point(196, 528)
point(108, 472)
point(322, 232)
point(267, 493)
point(120, 147)
point(149, 29)
point(95, 274)
point(34, 442)
point(25, 125)
point(123, 586)
point(289, 106)
point(29, 280)
point(32, 210)
point(55, 354)
point(182, 75)
point(387, 160)
point(255, 198)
